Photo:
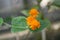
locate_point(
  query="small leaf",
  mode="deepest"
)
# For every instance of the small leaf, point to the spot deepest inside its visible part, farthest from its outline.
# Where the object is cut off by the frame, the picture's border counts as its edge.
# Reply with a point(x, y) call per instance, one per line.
point(1, 21)
point(19, 24)
point(25, 12)
point(40, 16)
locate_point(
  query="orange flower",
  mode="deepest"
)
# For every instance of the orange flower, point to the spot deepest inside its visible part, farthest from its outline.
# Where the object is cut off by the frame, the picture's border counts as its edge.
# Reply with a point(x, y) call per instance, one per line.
point(33, 23)
point(33, 27)
point(33, 12)
point(29, 19)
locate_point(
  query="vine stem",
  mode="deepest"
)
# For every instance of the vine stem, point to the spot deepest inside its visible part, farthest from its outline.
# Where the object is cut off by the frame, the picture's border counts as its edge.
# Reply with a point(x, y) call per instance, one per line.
point(27, 34)
point(17, 36)
point(44, 34)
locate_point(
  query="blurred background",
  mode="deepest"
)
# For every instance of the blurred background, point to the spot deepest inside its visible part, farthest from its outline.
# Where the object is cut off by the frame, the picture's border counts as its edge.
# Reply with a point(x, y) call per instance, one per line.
point(14, 8)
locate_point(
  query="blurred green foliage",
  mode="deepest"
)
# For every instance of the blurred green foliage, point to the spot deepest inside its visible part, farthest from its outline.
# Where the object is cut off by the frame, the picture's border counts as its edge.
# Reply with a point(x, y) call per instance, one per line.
point(8, 19)
point(56, 3)
point(1, 21)
point(39, 0)
point(36, 6)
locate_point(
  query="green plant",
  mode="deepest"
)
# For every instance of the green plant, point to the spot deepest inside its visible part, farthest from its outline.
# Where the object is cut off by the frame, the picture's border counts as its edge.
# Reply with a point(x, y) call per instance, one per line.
point(34, 21)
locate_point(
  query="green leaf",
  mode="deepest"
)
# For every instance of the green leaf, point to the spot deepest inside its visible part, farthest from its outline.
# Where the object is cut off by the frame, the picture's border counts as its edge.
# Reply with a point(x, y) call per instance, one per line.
point(39, 0)
point(40, 16)
point(44, 23)
point(36, 7)
point(19, 24)
point(57, 3)
point(25, 12)
point(1, 21)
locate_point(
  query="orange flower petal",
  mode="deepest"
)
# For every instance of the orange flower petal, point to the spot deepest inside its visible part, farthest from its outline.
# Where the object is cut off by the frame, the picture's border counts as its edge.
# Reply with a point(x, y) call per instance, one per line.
point(33, 12)
point(33, 27)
